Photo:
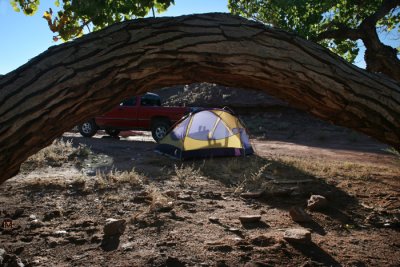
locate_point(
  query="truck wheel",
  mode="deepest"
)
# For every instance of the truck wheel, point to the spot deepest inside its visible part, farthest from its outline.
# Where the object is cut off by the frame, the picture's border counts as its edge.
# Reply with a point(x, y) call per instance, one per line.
point(159, 130)
point(88, 128)
point(113, 132)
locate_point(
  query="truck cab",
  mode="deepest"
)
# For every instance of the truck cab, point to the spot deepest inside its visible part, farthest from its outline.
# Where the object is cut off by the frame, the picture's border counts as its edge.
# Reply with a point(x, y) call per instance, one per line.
point(136, 113)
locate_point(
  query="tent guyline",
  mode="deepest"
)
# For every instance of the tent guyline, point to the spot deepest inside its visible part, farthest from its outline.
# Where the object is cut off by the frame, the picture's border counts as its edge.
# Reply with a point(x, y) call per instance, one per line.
point(207, 133)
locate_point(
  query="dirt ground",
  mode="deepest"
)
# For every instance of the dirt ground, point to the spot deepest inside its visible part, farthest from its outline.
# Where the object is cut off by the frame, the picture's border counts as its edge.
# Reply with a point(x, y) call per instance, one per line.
point(187, 213)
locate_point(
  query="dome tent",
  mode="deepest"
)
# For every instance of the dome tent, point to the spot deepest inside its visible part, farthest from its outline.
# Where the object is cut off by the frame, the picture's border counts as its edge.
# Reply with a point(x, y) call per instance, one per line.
point(206, 133)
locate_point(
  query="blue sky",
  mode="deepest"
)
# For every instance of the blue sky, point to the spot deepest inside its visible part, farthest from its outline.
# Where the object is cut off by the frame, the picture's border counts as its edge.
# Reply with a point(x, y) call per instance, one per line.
point(24, 37)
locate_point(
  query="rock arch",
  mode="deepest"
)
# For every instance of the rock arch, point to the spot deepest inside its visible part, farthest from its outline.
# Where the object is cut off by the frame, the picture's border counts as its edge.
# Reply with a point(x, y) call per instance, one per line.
point(71, 82)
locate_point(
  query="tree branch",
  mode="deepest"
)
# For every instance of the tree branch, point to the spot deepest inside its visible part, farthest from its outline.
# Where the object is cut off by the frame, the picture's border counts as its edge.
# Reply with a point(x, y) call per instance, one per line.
point(342, 32)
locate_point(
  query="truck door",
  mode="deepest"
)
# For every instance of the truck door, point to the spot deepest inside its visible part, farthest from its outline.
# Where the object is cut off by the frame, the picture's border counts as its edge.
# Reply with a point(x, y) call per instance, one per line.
point(149, 106)
point(123, 116)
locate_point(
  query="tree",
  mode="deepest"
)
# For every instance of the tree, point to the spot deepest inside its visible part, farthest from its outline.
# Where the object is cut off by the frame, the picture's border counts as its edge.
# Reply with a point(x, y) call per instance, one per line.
point(335, 24)
point(74, 81)
point(75, 15)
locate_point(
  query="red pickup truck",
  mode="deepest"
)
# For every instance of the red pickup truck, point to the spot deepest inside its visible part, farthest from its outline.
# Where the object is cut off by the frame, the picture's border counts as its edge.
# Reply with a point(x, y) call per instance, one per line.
point(136, 113)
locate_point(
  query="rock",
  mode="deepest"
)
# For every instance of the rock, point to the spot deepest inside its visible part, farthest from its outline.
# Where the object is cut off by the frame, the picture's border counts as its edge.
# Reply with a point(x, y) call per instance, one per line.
point(172, 261)
point(26, 239)
point(91, 172)
point(53, 242)
point(51, 215)
point(60, 233)
point(19, 250)
point(2, 254)
point(171, 193)
point(18, 213)
point(77, 239)
point(114, 227)
point(299, 235)
point(164, 206)
point(36, 224)
point(281, 191)
point(234, 230)
point(185, 197)
point(213, 219)
point(127, 246)
point(250, 218)
point(12, 261)
point(298, 214)
point(317, 202)
point(110, 243)
point(257, 264)
point(255, 194)
point(142, 197)
point(211, 195)
point(263, 241)
point(221, 248)
point(32, 217)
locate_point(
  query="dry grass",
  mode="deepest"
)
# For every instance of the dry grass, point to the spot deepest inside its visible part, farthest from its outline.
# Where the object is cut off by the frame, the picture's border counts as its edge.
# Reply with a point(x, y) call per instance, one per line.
point(335, 169)
point(184, 173)
point(114, 177)
point(59, 152)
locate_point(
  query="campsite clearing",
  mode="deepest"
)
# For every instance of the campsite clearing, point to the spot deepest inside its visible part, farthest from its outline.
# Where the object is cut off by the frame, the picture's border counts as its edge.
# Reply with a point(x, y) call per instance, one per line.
point(188, 213)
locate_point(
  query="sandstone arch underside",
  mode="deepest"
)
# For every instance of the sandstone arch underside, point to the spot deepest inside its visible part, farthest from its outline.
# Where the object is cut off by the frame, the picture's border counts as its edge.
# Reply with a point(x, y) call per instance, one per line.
point(74, 81)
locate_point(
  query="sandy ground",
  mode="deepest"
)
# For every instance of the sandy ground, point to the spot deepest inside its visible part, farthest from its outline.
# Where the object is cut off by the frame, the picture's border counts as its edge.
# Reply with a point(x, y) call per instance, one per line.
point(58, 213)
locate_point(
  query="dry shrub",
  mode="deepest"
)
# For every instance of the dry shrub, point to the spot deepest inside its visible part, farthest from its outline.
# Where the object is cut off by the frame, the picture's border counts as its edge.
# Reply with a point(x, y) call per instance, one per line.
point(186, 172)
point(115, 177)
point(233, 171)
point(331, 169)
point(55, 155)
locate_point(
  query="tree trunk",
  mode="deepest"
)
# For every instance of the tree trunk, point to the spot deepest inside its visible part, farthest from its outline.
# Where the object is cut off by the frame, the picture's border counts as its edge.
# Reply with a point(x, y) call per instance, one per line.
point(72, 82)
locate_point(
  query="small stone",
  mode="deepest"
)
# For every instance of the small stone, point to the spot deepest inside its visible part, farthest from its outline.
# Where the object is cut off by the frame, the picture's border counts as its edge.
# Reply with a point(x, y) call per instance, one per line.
point(53, 242)
point(257, 264)
point(91, 172)
point(2, 254)
point(26, 239)
point(299, 215)
point(250, 218)
point(36, 224)
point(32, 217)
point(234, 230)
point(299, 235)
point(185, 197)
point(213, 219)
point(263, 241)
point(77, 239)
point(51, 215)
point(127, 246)
point(114, 227)
point(171, 193)
point(18, 213)
point(317, 202)
point(95, 239)
point(172, 261)
point(211, 195)
point(255, 194)
point(60, 232)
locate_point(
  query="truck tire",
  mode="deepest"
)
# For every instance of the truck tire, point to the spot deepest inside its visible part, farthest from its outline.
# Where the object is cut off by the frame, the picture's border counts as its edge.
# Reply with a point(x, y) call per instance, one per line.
point(112, 132)
point(159, 129)
point(88, 128)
